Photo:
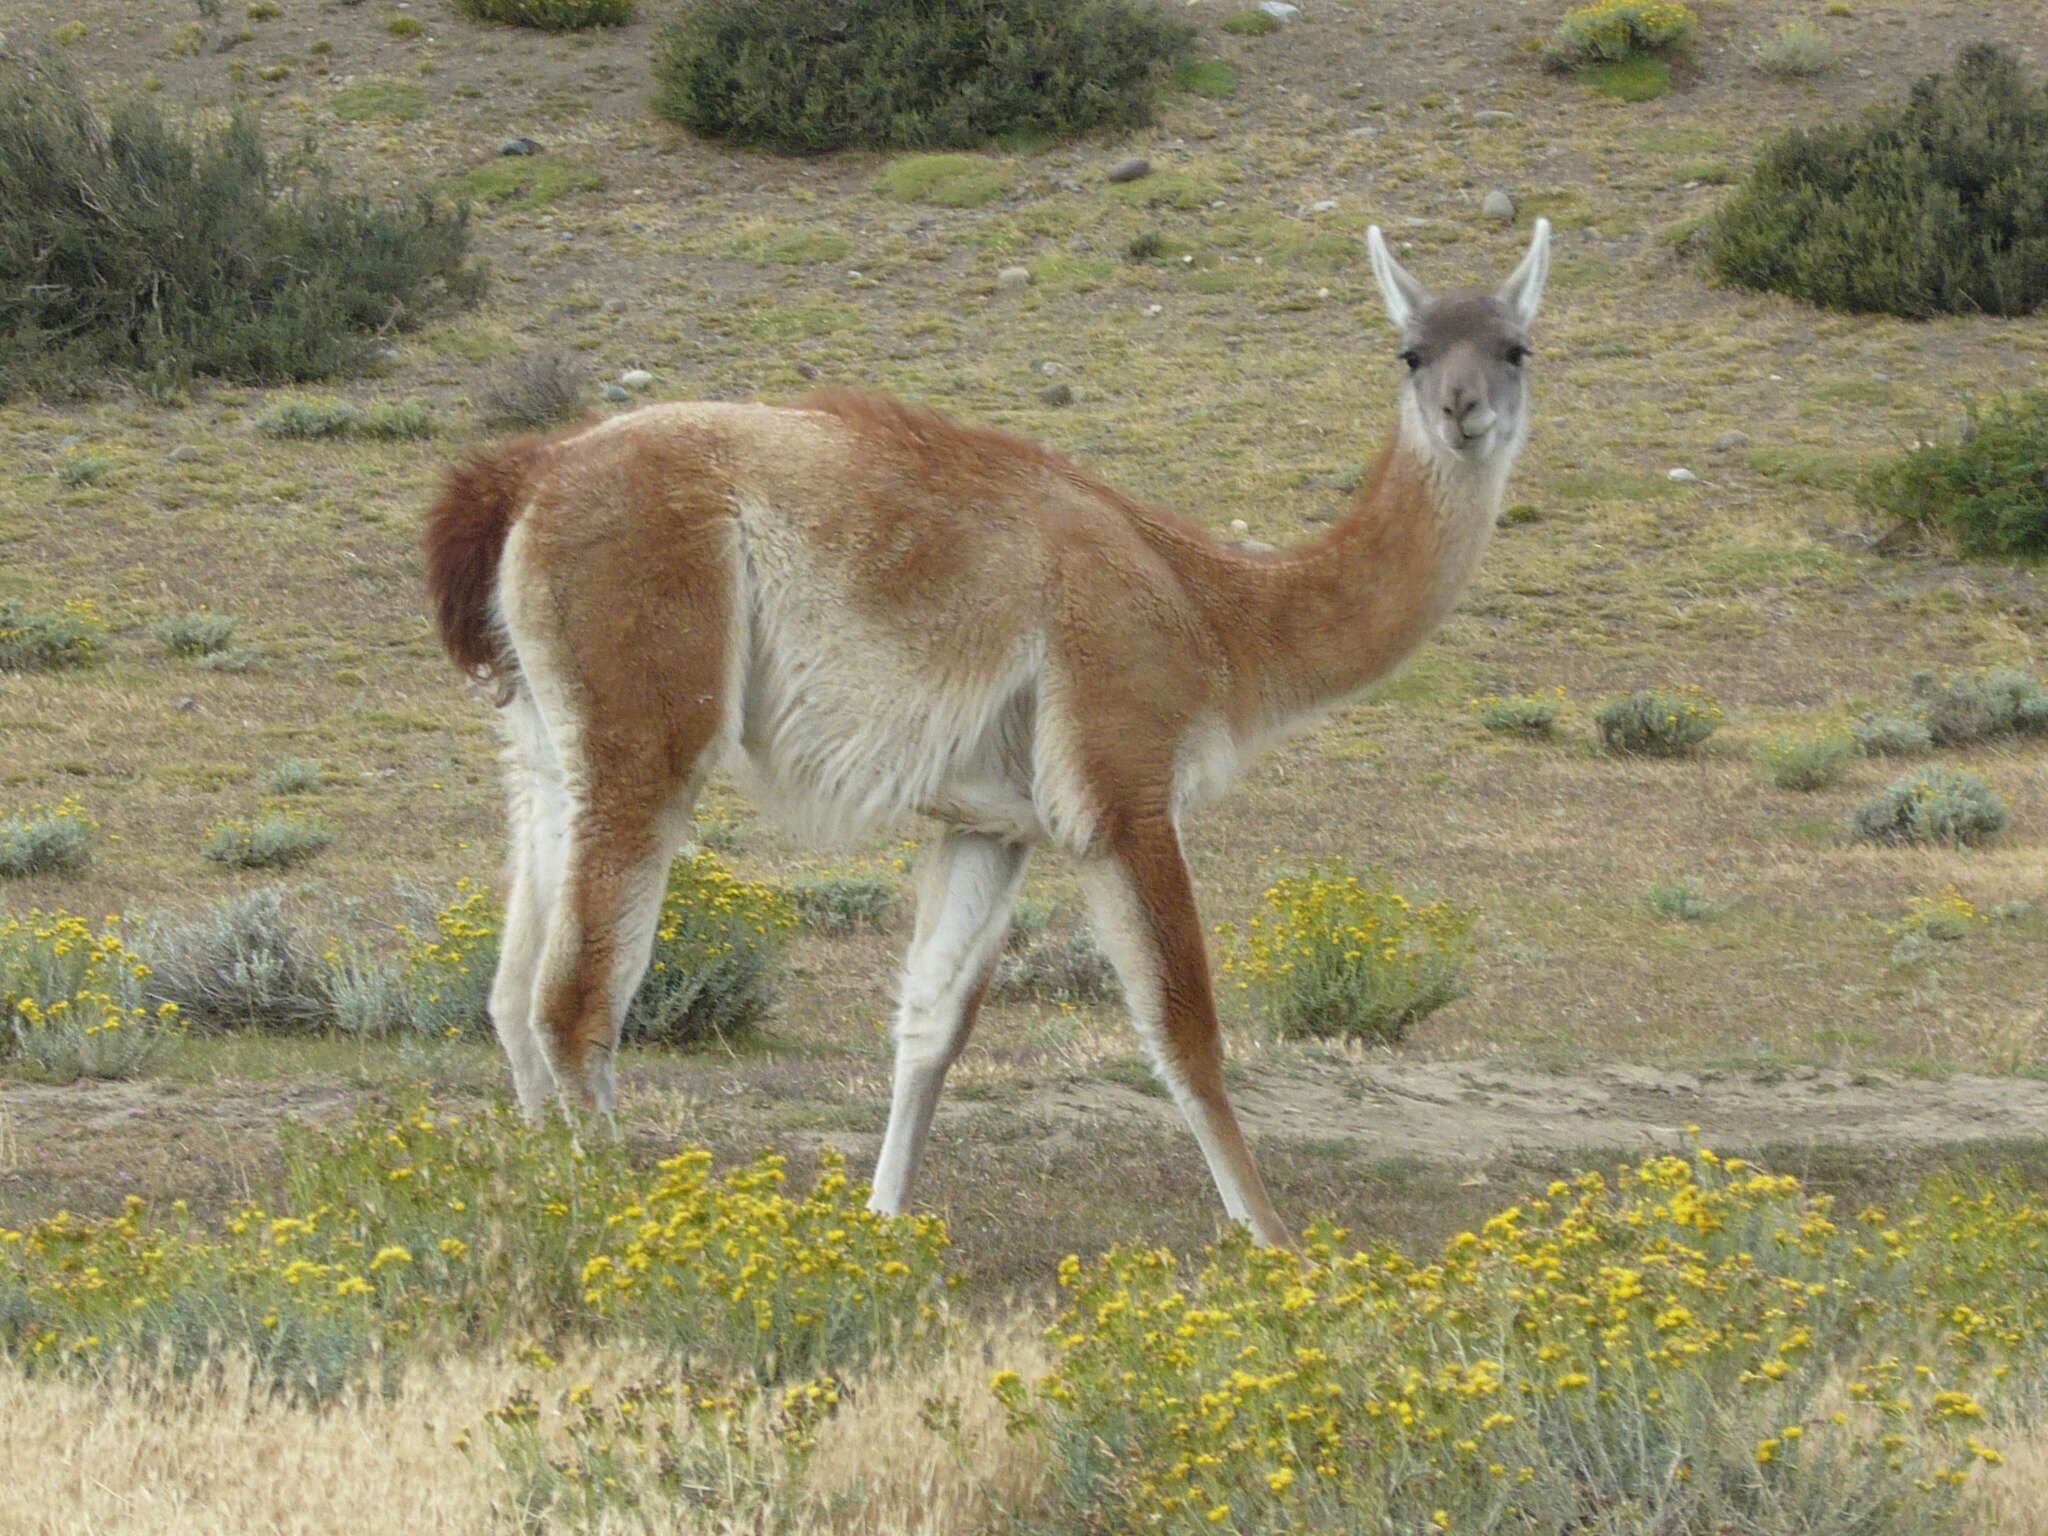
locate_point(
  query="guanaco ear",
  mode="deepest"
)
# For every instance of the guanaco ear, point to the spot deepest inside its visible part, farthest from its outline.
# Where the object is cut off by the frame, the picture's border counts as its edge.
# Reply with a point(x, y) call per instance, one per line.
point(1404, 296)
point(1524, 288)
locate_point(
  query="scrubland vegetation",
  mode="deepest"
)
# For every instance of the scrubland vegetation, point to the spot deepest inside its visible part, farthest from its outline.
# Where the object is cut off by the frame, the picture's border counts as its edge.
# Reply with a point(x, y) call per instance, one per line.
point(1721, 798)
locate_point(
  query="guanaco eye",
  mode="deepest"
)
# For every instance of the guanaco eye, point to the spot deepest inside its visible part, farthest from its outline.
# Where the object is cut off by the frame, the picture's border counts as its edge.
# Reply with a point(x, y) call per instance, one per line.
point(1517, 355)
point(1412, 358)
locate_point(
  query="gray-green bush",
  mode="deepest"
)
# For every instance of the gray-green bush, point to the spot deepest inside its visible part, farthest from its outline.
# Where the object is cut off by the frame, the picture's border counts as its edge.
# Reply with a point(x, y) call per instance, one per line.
point(45, 841)
point(1807, 763)
point(274, 840)
point(129, 244)
point(1652, 724)
point(552, 15)
point(913, 74)
point(1935, 804)
point(194, 634)
point(37, 640)
point(838, 903)
point(1880, 735)
point(1056, 968)
point(1961, 708)
point(245, 963)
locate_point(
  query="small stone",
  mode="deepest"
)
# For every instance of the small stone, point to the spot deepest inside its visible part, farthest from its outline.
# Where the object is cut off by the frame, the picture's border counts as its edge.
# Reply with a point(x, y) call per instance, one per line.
point(1050, 370)
point(1013, 278)
point(519, 147)
point(1498, 205)
point(1130, 170)
point(1239, 528)
point(184, 453)
point(1730, 440)
point(389, 355)
point(1279, 10)
point(1682, 476)
point(1492, 115)
point(1155, 309)
point(1323, 205)
point(1256, 546)
point(615, 393)
point(636, 378)
point(1366, 131)
point(1057, 394)
point(615, 306)
point(188, 704)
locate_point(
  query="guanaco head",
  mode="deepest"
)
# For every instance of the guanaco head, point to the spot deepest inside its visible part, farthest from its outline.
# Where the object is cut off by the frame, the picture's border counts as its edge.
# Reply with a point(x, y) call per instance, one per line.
point(1467, 384)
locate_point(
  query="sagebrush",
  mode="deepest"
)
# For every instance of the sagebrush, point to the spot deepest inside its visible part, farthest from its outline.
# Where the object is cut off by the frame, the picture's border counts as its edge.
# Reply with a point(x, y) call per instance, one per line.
point(1935, 804)
point(1988, 489)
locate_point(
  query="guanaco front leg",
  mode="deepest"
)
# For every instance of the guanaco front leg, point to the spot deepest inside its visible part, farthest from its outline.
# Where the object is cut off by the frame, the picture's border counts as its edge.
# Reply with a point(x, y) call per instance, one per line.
point(1144, 908)
point(963, 910)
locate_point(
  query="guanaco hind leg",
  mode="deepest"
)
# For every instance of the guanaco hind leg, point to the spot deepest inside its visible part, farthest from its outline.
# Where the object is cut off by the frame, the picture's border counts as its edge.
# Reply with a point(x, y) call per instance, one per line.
point(963, 910)
point(539, 833)
point(1144, 909)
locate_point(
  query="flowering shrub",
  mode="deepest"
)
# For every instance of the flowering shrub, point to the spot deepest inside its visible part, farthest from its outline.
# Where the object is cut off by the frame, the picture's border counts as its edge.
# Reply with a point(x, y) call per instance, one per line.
point(415, 1231)
point(72, 1002)
point(1529, 714)
point(1609, 31)
point(1341, 957)
point(716, 946)
point(45, 838)
point(33, 639)
point(1935, 804)
point(1806, 763)
point(1651, 724)
point(1697, 1345)
point(274, 840)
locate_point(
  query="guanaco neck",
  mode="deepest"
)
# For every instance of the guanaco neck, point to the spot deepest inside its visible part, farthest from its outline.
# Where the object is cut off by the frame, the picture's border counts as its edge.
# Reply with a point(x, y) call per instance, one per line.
point(1336, 615)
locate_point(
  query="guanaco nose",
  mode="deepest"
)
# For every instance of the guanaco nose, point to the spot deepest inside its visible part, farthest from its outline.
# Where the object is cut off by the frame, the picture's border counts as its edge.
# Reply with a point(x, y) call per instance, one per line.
point(1468, 411)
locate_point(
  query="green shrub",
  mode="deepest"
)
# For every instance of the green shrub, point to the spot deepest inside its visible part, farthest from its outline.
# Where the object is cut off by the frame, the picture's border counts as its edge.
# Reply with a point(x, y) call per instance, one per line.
point(390, 101)
point(839, 903)
point(1807, 763)
point(294, 776)
point(1250, 23)
point(1935, 804)
point(950, 181)
point(33, 640)
point(552, 15)
point(1650, 724)
point(1937, 206)
point(1989, 489)
point(1798, 51)
point(130, 244)
point(1891, 736)
point(309, 418)
point(1643, 78)
point(391, 421)
point(1529, 714)
point(1213, 78)
point(912, 74)
point(274, 840)
point(83, 469)
point(244, 964)
point(1683, 900)
point(1612, 31)
point(72, 1004)
point(1335, 955)
point(194, 634)
point(46, 840)
point(1963, 709)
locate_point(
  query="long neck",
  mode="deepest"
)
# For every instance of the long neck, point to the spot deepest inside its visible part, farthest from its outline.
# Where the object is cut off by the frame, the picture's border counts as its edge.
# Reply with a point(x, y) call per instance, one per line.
point(1340, 613)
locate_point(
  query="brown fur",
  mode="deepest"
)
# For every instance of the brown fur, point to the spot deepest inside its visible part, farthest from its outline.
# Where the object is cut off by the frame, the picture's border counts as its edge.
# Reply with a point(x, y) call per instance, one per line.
point(463, 540)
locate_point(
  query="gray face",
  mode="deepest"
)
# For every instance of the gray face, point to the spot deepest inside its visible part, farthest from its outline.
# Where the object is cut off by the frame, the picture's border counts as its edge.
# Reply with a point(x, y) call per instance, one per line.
point(1467, 353)
point(1466, 358)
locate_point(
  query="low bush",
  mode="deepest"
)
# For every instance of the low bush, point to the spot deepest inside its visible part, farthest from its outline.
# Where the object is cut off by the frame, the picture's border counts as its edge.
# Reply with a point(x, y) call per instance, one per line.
point(1651, 724)
point(794, 75)
point(393, 421)
point(1947, 917)
point(294, 776)
point(83, 469)
point(1935, 804)
point(309, 417)
point(46, 840)
point(552, 15)
point(1798, 50)
point(1962, 709)
point(1613, 31)
point(1253, 23)
point(1891, 735)
point(1690, 1344)
point(1683, 900)
point(1067, 969)
point(72, 1003)
point(412, 1232)
point(839, 903)
point(199, 633)
point(274, 840)
point(129, 244)
point(1935, 206)
point(1988, 489)
point(38, 640)
point(244, 964)
point(1529, 714)
point(1807, 763)
point(538, 390)
point(1335, 955)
